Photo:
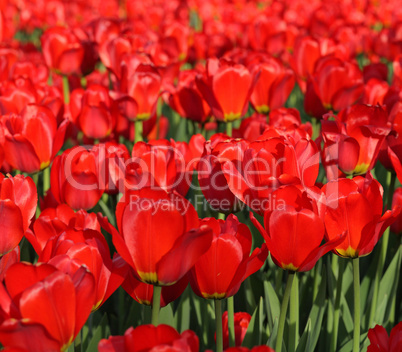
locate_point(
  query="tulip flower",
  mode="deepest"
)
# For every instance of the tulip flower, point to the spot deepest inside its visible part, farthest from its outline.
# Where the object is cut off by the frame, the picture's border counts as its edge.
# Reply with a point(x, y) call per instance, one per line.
point(241, 323)
point(213, 183)
point(335, 85)
point(7, 260)
point(16, 94)
point(187, 100)
point(352, 142)
point(94, 111)
point(381, 342)
point(294, 230)
point(62, 50)
point(273, 84)
point(18, 198)
point(226, 87)
point(262, 348)
point(143, 293)
point(73, 248)
point(146, 338)
point(141, 91)
point(268, 163)
point(152, 253)
point(160, 164)
point(355, 206)
point(220, 271)
point(46, 310)
point(53, 221)
point(396, 227)
point(75, 178)
point(32, 139)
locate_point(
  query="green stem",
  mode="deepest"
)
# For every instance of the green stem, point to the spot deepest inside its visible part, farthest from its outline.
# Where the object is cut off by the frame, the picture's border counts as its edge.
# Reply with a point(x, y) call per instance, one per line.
point(138, 131)
point(294, 315)
point(229, 128)
point(334, 336)
point(356, 289)
point(35, 178)
point(231, 328)
point(218, 321)
point(46, 179)
point(383, 251)
point(284, 308)
point(66, 90)
point(156, 304)
point(278, 280)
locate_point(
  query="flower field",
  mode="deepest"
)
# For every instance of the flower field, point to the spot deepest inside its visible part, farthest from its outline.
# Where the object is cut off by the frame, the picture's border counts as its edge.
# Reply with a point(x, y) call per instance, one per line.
point(190, 176)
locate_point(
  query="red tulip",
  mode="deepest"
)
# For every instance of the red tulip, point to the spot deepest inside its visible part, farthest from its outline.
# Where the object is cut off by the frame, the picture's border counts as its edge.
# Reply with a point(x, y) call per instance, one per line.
point(75, 178)
point(294, 231)
point(241, 323)
point(262, 348)
point(226, 87)
point(72, 249)
point(62, 50)
point(269, 163)
point(381, 342)
point(152, 253)
point(53, 221)
point(16, 95)
point(141, 91)
point(147, 338)
point(396, 227)
point(354, 139)
point(18, 198)
point(46, 310)
point(32, 139)
point(213, 183)
point(94, 111)
point(143, 292)
point(113, 158)
point(220, 271)
point(7, 260)
point(252, 127)
point(336, 85)
point(355, 206)
point(187, 100)
point(160, 164)
point(274, 83)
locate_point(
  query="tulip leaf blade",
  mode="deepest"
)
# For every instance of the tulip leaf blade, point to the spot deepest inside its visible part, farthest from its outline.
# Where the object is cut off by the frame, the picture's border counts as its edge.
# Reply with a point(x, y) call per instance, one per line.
point(102, 331)
point(317, 314)
point(388, 288)
point(272, 304)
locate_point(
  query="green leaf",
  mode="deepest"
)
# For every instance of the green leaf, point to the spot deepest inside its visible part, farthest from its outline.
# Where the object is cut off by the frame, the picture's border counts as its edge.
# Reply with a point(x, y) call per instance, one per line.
point(272, 305)
point(183, 311)
point(166, 316)
point(388, 287)
point(252, 334)
point(301, 347)
point(317, 314)
point(348, 346)
point(101, 332)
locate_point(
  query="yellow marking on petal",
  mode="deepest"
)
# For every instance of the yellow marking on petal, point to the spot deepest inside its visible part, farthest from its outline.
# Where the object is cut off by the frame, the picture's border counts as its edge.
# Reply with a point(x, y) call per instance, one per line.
point(263, 109)
point(327, 106)
point(44, 165)
point(143, 116)
point(289, 266)
point(149, 278)
point(349, 253)
point(361, 169)
point(215, 295)
point(232, 116)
